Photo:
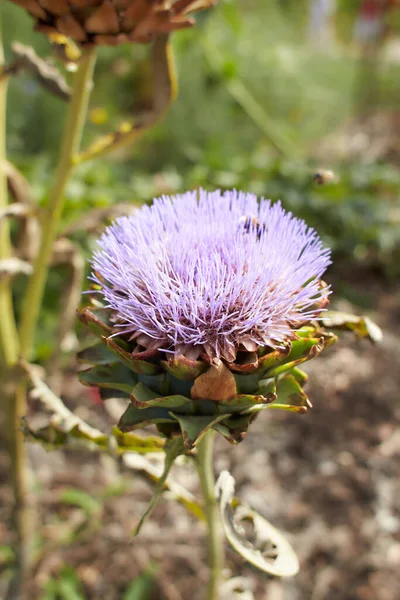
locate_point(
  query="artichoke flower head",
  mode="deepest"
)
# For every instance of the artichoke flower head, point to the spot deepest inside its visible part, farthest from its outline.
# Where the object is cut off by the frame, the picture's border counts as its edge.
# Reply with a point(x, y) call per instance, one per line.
point(112, 22)
point(205, 304)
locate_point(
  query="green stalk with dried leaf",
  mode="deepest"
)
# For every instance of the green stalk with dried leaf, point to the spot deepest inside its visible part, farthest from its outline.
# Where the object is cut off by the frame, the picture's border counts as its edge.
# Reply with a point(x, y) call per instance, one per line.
point(74, 44)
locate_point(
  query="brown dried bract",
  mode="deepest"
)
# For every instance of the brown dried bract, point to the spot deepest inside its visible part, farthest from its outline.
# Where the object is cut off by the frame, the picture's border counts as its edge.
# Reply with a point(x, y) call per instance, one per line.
point(217, 384)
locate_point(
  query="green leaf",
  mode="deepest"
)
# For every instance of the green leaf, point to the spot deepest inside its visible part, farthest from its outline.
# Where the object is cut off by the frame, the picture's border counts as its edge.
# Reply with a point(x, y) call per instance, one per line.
point(50, 590)
point(247, 384)
point(96, 355)
point(136, 365)
point(7, 561)
point(66, 587)
point(108, 393)
point(173, 448)
point(159, 383)
point(116, 377)
point(361, 326)
point(265, 548)
point(234, 428)
point(301, 348)
point(244, 401)
point(134, 418)
point(69, 586)
point(144, 397)
point(301, 351)
point(6, 554)
point(299, 376)
point(308, 331)
point(75, 497)
point(97, 319)
point(273, 359)
point(290, 395)
point(183, 368)
point(194, 427)
point(142, 586)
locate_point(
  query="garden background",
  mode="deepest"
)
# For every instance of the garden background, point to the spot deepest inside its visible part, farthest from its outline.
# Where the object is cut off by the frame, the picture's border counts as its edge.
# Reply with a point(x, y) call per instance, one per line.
point(263, 106)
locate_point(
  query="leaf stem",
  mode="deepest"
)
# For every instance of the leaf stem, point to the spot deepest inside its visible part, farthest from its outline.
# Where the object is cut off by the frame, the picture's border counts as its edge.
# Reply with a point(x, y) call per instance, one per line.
point(204, 465)
point(50, 221)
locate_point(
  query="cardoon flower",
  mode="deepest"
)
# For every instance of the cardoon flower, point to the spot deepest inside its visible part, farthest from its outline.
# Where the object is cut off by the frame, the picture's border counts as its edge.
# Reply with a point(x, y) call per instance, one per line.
point(112, 22)
point(210, 301)
point(214, 274)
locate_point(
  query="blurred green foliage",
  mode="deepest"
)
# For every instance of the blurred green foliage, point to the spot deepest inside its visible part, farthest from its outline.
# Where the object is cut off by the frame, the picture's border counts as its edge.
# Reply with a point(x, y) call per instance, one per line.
point(67, 586)
point(255, 102)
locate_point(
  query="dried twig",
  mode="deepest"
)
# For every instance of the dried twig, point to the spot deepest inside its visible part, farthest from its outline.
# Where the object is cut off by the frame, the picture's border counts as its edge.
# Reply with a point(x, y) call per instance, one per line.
point(25, 210)
point(18, 185)
point(10, 267)
point(46, 73)
point(67, 253)
point(53, 403)
point(15, 210)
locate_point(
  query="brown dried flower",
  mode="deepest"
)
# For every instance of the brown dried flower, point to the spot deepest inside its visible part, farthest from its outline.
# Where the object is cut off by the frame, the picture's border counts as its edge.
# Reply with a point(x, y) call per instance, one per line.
point(112, 22)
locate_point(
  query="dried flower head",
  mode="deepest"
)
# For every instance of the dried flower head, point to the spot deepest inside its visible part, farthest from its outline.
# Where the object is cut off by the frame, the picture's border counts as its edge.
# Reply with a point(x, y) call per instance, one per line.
point(112, 22)
point(211, 272)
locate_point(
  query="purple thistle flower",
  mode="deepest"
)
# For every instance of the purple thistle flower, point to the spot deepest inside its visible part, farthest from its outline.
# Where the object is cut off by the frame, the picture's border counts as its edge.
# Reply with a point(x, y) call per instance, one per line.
point(211, 272)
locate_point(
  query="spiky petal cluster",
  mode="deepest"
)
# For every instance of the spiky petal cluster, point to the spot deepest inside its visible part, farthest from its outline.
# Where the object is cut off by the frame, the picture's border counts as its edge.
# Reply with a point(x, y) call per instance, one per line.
point(211, 272)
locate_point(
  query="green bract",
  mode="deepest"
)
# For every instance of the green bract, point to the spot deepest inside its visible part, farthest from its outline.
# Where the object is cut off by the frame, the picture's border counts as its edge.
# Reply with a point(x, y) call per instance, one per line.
point(188, 397)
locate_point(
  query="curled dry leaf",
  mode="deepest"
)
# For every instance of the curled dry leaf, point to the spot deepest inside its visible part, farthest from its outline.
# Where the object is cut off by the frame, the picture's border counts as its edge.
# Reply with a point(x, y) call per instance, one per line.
point(237, 588)
point(252, 536)
point(361, 326)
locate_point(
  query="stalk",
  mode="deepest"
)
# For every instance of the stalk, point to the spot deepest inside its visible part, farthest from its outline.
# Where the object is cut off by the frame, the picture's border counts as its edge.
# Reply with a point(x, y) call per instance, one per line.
point(8, 330)
point(15, 405)
point(215, 545)
point(50, 221)
point(9, 351)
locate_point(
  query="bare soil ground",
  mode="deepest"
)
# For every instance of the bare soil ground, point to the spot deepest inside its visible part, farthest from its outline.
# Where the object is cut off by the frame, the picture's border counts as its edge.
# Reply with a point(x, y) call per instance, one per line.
point(329, 479)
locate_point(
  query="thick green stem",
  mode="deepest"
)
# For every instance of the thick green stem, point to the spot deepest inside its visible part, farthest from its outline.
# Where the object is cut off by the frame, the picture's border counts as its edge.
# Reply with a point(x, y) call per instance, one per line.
point(204, 462)
point(50, 221)
point(8, 329)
